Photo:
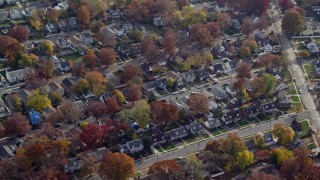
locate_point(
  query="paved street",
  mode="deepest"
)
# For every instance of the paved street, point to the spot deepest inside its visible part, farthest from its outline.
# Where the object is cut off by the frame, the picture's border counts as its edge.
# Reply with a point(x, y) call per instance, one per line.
point(193, 148)
point(295, 70)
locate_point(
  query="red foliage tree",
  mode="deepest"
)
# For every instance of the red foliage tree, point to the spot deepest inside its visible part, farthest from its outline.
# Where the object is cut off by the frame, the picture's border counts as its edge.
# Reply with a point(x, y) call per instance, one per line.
point(90, 60)
point(286, 4)
point(97, 108)
point(162, 112)
point(169, 42)
point(92, 135)
point(134, 93)
point(17, 123)
point(165, 167)
point(198, 104)
point(107, 56)
point(239, 84)
point(20, 33)
point(182, 3)
point(149, 49)
point(131, 71)
point(201, 34)
point(244, 70)
point(112, 105)
point(214, 29)
point(137, 11)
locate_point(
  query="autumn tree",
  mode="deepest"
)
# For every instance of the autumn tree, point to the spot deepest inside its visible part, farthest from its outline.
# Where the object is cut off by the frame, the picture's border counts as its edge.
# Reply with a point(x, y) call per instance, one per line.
point(239, 84)
point(68, 111)
point(17, 123)
point(194, 167)
point(244, 70)
point(149, 48)
point(38, 100)
point(141, 113)
point(201, 34)
point(55, 98)
point(83, 15)
point(112, 105)
point(214, 29)
point(286, 4)
point(137, 11)
point(79, 69)
point(26, 60)
point(198, 104)
point(182, 3)
point(292, 22)
point(130, 71)
point(250, 43)
point(245, 52)
point(244, 159)
point(16, 102)
point(20, 33)
point(224, 20)
point(9, 46)
point(135, 36)
point(90, 59)
point(119, 96)
point(107, 56)
point(304, 54)
point(162, 112)
point(270, 82)
point(134, 93)
point(116, 166)
point(166, 169)
point(285, 134)
point(92, 135)
point(97, 108)
point(82, 86)
point(169, 42)
point(214, 146)
point(48, 68)
point(247, 26)
point(263, 155)
point(97, 82)
point(90, 165)
point(262, 176)
point(279, 155)
point(257, 87)
point(47, 47)
point(233, 144)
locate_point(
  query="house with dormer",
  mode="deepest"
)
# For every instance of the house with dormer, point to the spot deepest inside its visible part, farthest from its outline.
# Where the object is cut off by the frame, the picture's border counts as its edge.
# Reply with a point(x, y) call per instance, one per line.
point(195, 128)
point(131, 147)
point(189, 76)
point(269, 107)
point(177, 133)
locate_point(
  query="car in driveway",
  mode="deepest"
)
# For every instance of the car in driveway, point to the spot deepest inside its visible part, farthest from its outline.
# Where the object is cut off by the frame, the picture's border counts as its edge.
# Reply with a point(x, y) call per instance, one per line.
point(300, 91)
point(294, 79)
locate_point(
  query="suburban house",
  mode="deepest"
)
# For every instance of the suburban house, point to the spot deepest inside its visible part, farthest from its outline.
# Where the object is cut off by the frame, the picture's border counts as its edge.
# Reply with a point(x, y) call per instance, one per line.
point(23, 94)
point(161, 83)
point(98, 153)
point(4, 111)
point(296, 127)
point(212, 123)
point(269, 107)
point(72, 165)
point(15, 14)
point(176, 76)
point(219, 93)
point(283, 100)
point(268, 139)
point(131, 147)
point(62, 6)
point(48, 111)
point(35, 118)
point(252, 111)
point(195, 128)
point(64, 66)
point(158, 137)
point(177, 133)
point(16, 76)
point(86, 37)
point(150, 86)
point(235, 24)
point(158, 21)
point(231, 117)
point(55, 87)
point(282, 87)
point(202, 74)
point(67, 83)
point(189, 76)
point(7, 151)
point(115, 14)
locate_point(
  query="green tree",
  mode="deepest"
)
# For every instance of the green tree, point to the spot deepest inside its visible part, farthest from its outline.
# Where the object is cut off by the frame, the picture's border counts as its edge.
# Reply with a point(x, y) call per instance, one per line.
point(28, 60)
point(47, 47)
point(285, 134)
point(170, 82)
point(17, 102)
point(270, 82)
point(124, 115)
point(38, 100)
point(120, 97)
point(141, 113)
point(244, 159)
point(259, 141)
point(292, 22)
point(279, 155)
point(135, 36)
point(81, 87)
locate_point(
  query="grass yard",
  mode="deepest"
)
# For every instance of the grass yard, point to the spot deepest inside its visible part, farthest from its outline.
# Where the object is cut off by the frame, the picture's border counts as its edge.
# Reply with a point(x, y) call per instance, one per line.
point(309, 68)
point(292, 90)
point(191, 139)
point(222, 130)
point(216, 132)
point(311, 146)
point(243, 123)
point(159, 149)
point(74, 57)
point(167, 146)
point(296, 107)
point(295, 99)
point(305, 128)
point(205, 136)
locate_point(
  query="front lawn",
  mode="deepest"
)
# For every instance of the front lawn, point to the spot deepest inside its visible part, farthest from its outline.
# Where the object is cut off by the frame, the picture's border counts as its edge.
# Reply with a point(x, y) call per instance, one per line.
point(243, 123)
point(215, 132)
point(292, 91)
point(311, 146)
point(295, 99)
point(74, 57)
point(167, 146)
point(305, 128)
point(296, 107)
point(309, 68)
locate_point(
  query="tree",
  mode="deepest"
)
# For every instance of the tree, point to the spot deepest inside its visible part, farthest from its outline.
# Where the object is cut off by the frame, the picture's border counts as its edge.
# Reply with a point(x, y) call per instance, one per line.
point(292, 22)
point(17, 123)
point(269, 81)
point(257, 87)
point(244, 159)
point(165, 168)
point(20, 33)
point(262, 176)
point(285, 134)
point(233, 144)
point(119, 95)
point(16, 102)
point(55, 98)
point(304, 54)
point(198, 104)
point(244, 70)
point(92, 135)
point(107, 56)
point(97, 108)
point(141, 113)
point(38, 100)
point(162, 112)
point(279, 155)
point(9, 47)
point(90, 59)
point(48, 68)
point(130, 71)
point(97, 82)
point(263, 155)
point(116, 166)
point(239, 84)
point(224, 20)
point(169, 42)
point(47, 47)
point(245, 52)
point(244, 96)
point(194, 167)
point(134, 93)
point(302, 155)
point(135, 36)
point(125, 115)
point(137, 11)
point(170, 82)
point(214, 29)
point(213, 146)
point(247, 26)
point(112, 105)
point(90, 165)
point(251, 43)
point(68, 111)
point(182, 3)
point(201, 34)
point(149, 48)
point(27, 59)
point(82, 86)
point(286, 4)
point(83, 15)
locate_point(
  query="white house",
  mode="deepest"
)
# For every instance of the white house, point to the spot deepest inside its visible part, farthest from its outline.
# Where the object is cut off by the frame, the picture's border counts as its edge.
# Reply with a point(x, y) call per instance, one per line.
point(15, 14)
point(62, 6)
point(16, 76)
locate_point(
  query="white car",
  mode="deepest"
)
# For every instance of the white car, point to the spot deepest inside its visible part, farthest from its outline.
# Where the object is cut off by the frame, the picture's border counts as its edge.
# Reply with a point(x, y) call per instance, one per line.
point(300, 91)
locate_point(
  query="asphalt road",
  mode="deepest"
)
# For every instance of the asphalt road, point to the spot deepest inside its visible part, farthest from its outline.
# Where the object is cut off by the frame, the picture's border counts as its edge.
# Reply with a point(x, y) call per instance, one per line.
point(295, 70)
point(193, 148)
